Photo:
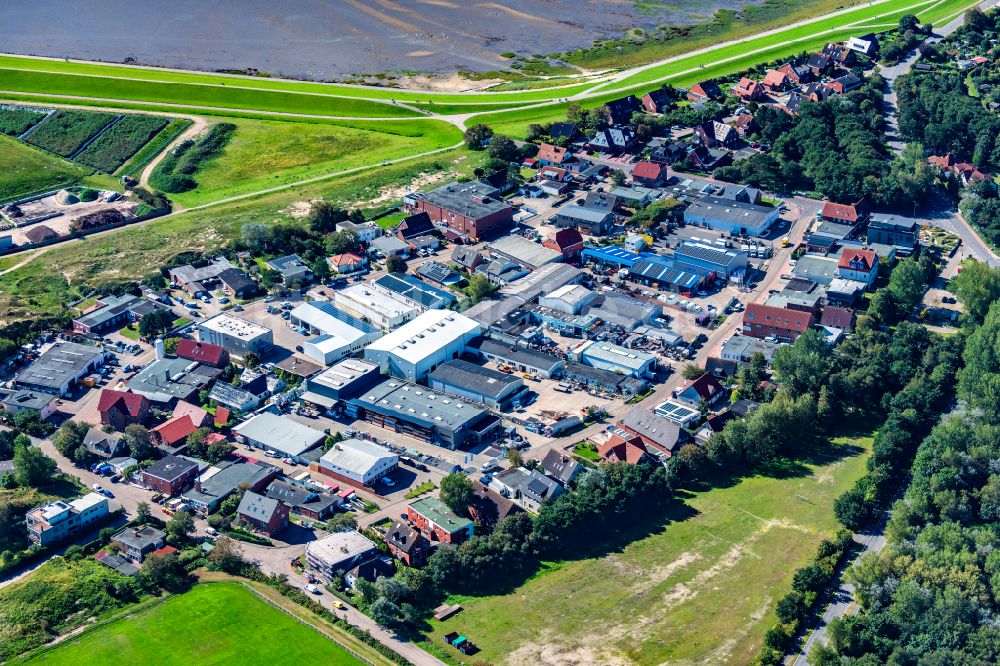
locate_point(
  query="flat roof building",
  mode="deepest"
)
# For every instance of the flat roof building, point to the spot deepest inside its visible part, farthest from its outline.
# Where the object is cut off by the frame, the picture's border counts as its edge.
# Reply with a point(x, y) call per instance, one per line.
point(237, 336)
point(340, 334)
point(281, 434)
point(60, 367)
point(380, 308)
point(424, 413)
point(414, 349)
point(358, 462)
point(496, 390)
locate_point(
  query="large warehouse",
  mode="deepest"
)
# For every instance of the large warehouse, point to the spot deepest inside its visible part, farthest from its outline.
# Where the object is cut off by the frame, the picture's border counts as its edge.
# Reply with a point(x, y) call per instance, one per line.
point(414, 349)
point(425, 414)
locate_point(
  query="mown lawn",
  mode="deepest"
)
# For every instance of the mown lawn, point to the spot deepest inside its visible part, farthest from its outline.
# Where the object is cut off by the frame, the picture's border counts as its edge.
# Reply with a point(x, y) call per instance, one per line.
point(213, 623)
point(269, 153)
point(698, 589)
point(24, 170)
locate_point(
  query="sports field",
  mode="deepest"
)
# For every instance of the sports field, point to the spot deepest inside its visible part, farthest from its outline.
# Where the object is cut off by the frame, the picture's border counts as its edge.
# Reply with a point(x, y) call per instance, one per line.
point(698, 589)
point(214, 623)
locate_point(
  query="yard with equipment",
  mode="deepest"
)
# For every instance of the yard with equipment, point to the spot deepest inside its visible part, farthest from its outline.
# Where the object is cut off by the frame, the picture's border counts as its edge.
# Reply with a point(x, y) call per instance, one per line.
point(211, 623)
point(699, 588)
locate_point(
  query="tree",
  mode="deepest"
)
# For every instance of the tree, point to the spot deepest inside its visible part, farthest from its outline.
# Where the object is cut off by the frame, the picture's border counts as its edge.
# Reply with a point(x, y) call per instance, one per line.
point(503, 148)
point(477, 136)
point(255, 236)
point(342, 522)
point(341, 242)
point(180, 526)
point(478, 288)
point(156, 323)
point(142, 512)
point(138, 442)
point(227, 556)
point(324, 216)
point(802, 367)
point(395, 264)
point(691, 371)
point(457, 492)
point(32, 467)
point(618, 177)
point(69, 436)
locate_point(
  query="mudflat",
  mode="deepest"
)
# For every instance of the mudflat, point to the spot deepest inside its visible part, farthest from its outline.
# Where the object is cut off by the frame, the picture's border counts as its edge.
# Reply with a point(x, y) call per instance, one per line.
point(328, 39)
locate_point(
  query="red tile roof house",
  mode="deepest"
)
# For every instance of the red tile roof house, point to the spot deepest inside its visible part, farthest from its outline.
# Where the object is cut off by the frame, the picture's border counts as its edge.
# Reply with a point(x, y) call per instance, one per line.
point(763, 321)
point(122, 408)
point(619, 449)
point(203, 352)
point(775, 80)
point(549, 155)
point(567, 241)
point(649, 174)
point(858, 264)
point(706, 389)
point(173, 433)
point(748, 89)
point(346, 263)
point(853, 214)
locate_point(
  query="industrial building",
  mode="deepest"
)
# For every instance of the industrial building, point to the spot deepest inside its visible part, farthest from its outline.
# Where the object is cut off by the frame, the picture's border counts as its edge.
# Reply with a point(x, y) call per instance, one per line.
point(358, 462)
point(415, 292)
point(519, 359)
point(614, 358)
point(724, 262)
point(496, 390)
point(424, 413)
point(466, 211)
point(281, 434)
point(237, 336)
point(60, 367)
point(340, 334)
point(379, 307)
point(414, 349)
point(735, 217)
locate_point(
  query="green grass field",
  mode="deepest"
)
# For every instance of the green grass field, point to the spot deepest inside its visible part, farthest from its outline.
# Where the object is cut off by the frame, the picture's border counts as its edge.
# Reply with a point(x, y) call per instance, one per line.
point(698, 590)
point(263, 154)
point(24, 170)
point(214, 623)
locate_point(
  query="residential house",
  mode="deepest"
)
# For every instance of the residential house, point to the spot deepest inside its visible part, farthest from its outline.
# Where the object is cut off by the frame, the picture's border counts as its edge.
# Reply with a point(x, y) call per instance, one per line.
point(407, 544)
point(561, 467)
point(432, 518)
point(105, 445)
point(705, 389)
point(649, 174)
point(705, 91)
point(748, 90)
point(135, 543)
point(657, 101)
point(782, 324)
point(858, 264)
point(550, 155)
point(119, 409)
point(529, 489)
point(266, 515)
point(203, 352)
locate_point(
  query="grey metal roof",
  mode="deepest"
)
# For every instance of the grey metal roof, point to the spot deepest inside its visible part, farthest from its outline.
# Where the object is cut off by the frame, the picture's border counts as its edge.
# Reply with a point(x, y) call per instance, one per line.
point(473, 378)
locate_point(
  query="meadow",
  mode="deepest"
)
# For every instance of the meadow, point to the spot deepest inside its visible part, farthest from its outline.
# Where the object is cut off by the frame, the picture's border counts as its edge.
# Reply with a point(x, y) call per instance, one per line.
point(698, 587)
point(212, 623)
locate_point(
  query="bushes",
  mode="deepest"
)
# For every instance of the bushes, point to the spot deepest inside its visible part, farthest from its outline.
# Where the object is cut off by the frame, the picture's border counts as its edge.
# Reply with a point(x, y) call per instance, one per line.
point(15, 122)
point(66, 131)
point(174, 173)
point(120, 142)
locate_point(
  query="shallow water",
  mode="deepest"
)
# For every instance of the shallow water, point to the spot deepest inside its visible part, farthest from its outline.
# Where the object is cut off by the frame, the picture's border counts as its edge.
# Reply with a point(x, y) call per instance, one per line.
point(325, 39)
